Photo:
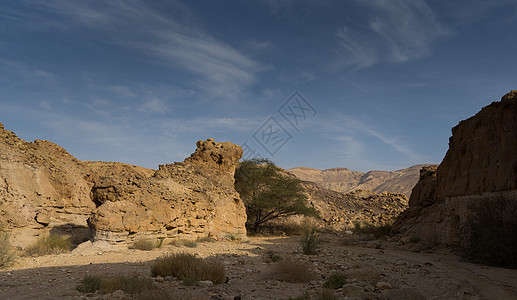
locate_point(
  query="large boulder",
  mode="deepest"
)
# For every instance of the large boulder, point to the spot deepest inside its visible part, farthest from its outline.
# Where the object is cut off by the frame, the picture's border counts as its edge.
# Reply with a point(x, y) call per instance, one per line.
point(480, 166)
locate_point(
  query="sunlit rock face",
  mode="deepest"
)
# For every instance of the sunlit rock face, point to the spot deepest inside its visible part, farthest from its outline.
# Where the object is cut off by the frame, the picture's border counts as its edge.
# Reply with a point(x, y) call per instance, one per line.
point(44, 189)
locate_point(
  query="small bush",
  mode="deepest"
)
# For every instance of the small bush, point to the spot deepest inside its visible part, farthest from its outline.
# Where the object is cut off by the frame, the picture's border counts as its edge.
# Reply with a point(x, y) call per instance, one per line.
point(184, 242)
point(7, 256)
point(144, 244)
point(414, 239)
point(89, 284)
point(184, 265)
point(129, 284)
point(292, 271)
point(335, 281)
point(51, 244)
point(489, 235)
point(368, 228)
point(271, 255)
point(310, 241)
point(206, 239)
point(191, 244)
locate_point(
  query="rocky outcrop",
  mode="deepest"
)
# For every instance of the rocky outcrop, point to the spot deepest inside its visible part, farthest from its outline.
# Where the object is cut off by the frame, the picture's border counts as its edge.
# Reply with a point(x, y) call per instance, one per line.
point(42, 188)
point(344, 180)
point(195, 197)
point(45, 189)
point(480, 166)
point(339, 211)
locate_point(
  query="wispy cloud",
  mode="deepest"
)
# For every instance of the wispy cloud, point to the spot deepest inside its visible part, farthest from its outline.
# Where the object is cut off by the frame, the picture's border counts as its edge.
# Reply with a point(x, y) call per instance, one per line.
point(219, 69)
point(362, 145)
point(396, 31)
point(19, 69)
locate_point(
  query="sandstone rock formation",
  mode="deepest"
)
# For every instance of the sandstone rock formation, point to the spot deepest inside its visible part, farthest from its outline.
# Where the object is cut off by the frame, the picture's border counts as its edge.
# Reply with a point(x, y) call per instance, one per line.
point(345, 180)
point(45, 189)
point(42, 188)
point(195, 198)
point(480, 166)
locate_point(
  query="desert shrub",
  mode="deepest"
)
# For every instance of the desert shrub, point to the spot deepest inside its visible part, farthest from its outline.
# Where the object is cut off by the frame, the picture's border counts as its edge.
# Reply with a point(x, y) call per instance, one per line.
point(50, 244)
point(414, 239)
point(335, 281)
point(489, 235)
point(310, 241)
point(191, 244)
point(205, 239)
point(7, 256)
point(184, 242)
point(271, 255)
point(378, 230)
point(292, 271)
point(89, 284)
point(188, 266)
point(144, 244)
point(129, 284)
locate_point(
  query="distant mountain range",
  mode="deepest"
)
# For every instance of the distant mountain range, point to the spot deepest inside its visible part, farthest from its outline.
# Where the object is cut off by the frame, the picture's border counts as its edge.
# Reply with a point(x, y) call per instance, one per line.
point(345, 180)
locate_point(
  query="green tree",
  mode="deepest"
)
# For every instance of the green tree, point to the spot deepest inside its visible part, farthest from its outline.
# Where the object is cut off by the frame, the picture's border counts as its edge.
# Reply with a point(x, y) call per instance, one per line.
point(269, 193)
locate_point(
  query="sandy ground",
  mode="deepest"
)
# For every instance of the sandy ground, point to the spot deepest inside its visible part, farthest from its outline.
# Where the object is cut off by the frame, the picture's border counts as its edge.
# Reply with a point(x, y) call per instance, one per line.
point(371, 273)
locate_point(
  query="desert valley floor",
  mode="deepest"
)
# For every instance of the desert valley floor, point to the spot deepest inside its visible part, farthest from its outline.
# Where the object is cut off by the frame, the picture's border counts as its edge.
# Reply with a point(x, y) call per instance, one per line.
point(378, 271)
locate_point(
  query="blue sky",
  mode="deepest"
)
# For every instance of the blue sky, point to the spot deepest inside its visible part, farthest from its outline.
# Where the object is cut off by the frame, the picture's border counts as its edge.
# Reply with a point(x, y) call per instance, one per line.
point(380, 83)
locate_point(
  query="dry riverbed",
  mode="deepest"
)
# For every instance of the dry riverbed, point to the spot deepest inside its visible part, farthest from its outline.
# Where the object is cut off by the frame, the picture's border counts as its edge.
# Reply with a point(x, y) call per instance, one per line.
point(251, 274)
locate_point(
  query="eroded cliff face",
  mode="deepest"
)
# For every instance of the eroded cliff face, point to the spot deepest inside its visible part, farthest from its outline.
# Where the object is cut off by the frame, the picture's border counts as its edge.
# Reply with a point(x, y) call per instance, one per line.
point(42, 188)
point(45, 189)
point(194, 198)
point(480, 165)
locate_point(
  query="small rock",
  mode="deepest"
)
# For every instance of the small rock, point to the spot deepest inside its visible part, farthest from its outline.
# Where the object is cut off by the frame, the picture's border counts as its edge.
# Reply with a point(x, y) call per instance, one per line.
point(349, 232)
point(205, 283)
point(369, 288)
point(106, 296)
point(382, 285)
point(118, 294)
point(351, 290)
point(159, 279)
point(249, 271)
point(404, 240)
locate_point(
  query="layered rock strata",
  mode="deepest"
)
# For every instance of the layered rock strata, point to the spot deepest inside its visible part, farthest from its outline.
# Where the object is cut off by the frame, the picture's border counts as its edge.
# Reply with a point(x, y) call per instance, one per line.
point(480, 166)
point(45, 189)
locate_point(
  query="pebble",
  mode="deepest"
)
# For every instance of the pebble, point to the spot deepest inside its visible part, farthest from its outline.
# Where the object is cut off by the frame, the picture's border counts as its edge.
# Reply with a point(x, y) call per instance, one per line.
point(159, 279)
point(118, 294)
point(205, 283)
point(382, 285)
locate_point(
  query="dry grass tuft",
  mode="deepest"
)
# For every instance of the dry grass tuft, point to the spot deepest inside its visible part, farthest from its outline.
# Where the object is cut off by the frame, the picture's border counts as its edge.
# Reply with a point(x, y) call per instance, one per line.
point(188, 266)
point(144, 244)
point(51, 244)
point(290, 270)
point(184, 242)
point(133, 284)
point(129, 284)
